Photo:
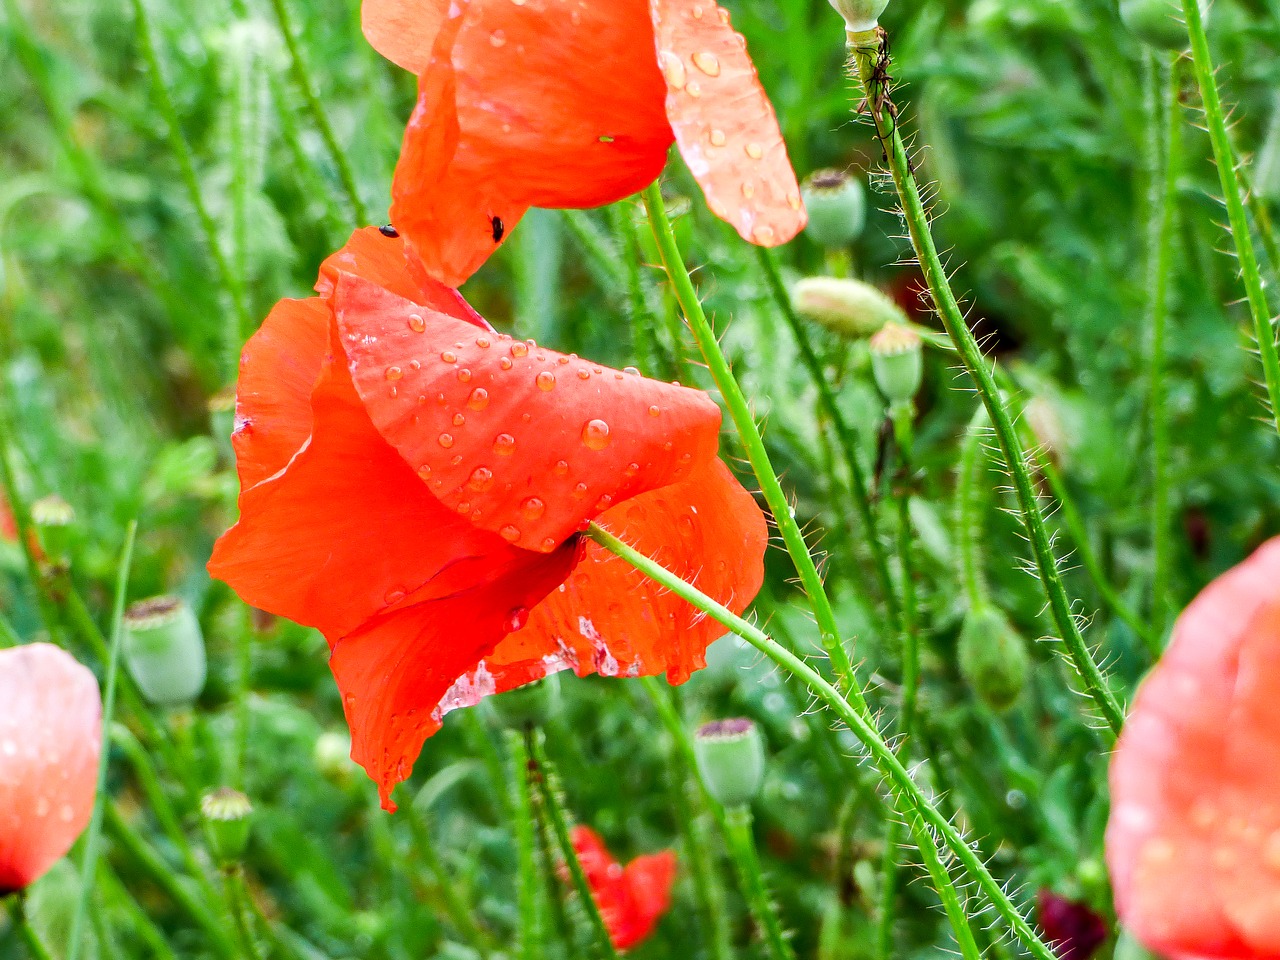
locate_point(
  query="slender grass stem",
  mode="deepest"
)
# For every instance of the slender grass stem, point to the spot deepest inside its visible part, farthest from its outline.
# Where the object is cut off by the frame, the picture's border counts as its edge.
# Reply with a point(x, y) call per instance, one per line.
point(529, 886)
point(89, 862)
point(866, 50)
point(1225, 158)
point(909, 796)
point(237, 895)
point(26, 931)
point(844, 436)
point(460, 913)
point(549, 790)
point(969, 506)
point(742, 845)
point(749, 433)
point(302, 77)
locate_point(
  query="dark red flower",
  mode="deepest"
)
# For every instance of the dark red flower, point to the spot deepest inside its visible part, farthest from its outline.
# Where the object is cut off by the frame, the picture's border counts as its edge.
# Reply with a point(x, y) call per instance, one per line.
point(1194, 837)
point(412, 484)
point(50, 740)
point(631, 899)
point(543, 103)
point(1074, 929)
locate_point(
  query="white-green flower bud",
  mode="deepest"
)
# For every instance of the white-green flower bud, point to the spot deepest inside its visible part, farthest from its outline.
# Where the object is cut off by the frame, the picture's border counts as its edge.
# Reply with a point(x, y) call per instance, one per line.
point(164, 650)
point(860, 15)
point(226, 815)
point(993, 656)
point(731, 760)
point(850, 308)
point(837, 207)
point(897, 362)
point(52, 511)
point(332, 755)
point(1158, 22)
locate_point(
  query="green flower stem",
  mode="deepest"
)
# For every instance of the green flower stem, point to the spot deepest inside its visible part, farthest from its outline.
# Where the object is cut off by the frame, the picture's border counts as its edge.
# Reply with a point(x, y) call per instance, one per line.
point(231, 282)
point(529, 880)
point(742, 847)
point(163, 876)
point(844, 435)
point(22, 922)
point(1164, 142)
point(865, 49)
point(697, 855)
point(302, 77)
point(969, 505)
point(1224, 157)
point(460, 913)
point(89, 862)
point(749, 434)
point(143, 926)
point(909, 796)
point(237, 895)
point(549, 790)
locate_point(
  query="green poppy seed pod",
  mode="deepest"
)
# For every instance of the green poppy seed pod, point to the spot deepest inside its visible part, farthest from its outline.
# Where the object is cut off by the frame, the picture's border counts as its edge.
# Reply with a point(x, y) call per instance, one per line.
point(837, 207)
point(164, 650)
point(529, 706)
point(993, 656)
point(897, 362)
point(731, 760)
point(1158, 22)
point(860, 15)
point(1266, 179)
point(850, 308)
point(226, 815)
point(52, 511)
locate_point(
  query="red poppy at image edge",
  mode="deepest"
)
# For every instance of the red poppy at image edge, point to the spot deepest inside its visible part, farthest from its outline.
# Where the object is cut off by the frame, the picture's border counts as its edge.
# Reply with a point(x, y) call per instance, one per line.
point(1193, 843)
point(50, 740)
point(413, 484)
point(631, 899)
point(569, 103)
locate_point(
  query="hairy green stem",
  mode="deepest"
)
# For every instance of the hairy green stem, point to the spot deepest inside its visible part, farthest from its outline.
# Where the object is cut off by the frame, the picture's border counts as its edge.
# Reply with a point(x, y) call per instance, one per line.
point(866, 51)
point(89, 862)
point(742, 846)
point(911, 800)
point(749, 433)
point(529, 884)
point(1225, 158)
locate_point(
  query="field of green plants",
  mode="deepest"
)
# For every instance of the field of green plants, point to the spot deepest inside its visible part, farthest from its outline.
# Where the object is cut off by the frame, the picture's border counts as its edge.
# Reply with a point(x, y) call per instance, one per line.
point(1000, 441)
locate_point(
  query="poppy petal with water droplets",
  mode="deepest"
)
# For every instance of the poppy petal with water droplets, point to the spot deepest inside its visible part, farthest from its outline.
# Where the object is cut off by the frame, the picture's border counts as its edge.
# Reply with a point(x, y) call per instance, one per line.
point(532, 441)
point(403, 31)
point(723, 121)
point(609, 618)
point(50, 739)
point(1194, 837)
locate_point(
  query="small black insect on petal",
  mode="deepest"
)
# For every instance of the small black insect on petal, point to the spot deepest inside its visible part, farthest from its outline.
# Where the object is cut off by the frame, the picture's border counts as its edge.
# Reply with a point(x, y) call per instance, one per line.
point(498, 229)
point(389, 231)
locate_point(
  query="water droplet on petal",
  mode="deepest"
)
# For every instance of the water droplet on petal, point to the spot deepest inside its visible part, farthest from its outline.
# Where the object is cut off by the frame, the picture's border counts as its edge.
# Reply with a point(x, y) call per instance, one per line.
point(519, 348)
point(580, 491)
point(394, 595)
point(748, 189)
point(718, 138)
point(463, 508)
point(483, 343)
point(754, 150)
point(584, 373)
point(655, 411)
point(504, 444)
point(394, 373)
point(764, 234)
point(509, 533)
point(459, 419)
point(505, 363)
point(673, 69)
point(446, 440)
point(707, 62)
point(546, 381)
point(449, 356)
point(498, 38)
point(693, 88)
point(561, 468)
point(548, 545)
point(793, 200)
point(464, 375)
point(533, 508)
point(631, 370)
point(596, 434)
point(479, 399)
point(416, 323)
point(481, 479)
point(604, 502)
point(424, 471)
point(632, 470)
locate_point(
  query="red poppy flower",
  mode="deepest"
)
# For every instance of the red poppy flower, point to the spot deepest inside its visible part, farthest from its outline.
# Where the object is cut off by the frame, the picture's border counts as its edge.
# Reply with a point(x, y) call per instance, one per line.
point(1194, 837)
point(412, 484)
point(50, 740)
point(630, 898)
point(543, 103)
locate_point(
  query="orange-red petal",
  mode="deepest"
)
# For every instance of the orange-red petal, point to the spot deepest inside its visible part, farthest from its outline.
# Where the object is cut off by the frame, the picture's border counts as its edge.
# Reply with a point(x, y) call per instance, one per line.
point(527, 442)
point(630, 899)
point(50, 739)
point(724, 123)
point(1194, 838)
point(403, 31)
point(541, 103)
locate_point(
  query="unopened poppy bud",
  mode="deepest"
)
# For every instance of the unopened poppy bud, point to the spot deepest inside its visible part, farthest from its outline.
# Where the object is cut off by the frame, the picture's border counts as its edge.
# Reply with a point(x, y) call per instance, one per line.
point(849, 308)
point(993, 656)
point(332, 755)
point(164, 650)
point(731, 760)
point(837, 208)
point(226, 814)
point(860, 15)
point(529, 706)
point(1158, 22)
point(897, 362)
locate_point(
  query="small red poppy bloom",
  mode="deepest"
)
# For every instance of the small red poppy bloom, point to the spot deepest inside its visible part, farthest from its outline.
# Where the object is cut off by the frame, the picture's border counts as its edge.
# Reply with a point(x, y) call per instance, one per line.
point(50, 741)
point(543, 103)
point(1194, 837)
point(412, 484)
point(631, 899)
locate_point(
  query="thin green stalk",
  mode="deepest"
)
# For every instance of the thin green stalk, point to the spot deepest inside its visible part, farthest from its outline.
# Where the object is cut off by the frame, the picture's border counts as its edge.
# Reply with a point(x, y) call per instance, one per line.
point(866, 51)
point(753, 443)
point(237, 895)
point(742, 845)
point(240, 692)
point(29, 936)
point(1262, 221)
point(909, 796)
point(844, 434)
point(602, 259)
point(459, 911)
point(138, 919)
point(646, 325)
point(1225, 158)
point(186, 161)
point(529, 885)
point(549, 790)
point(969, 506)
point(89, 862)
point(302, 77)
point(1164, 149)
